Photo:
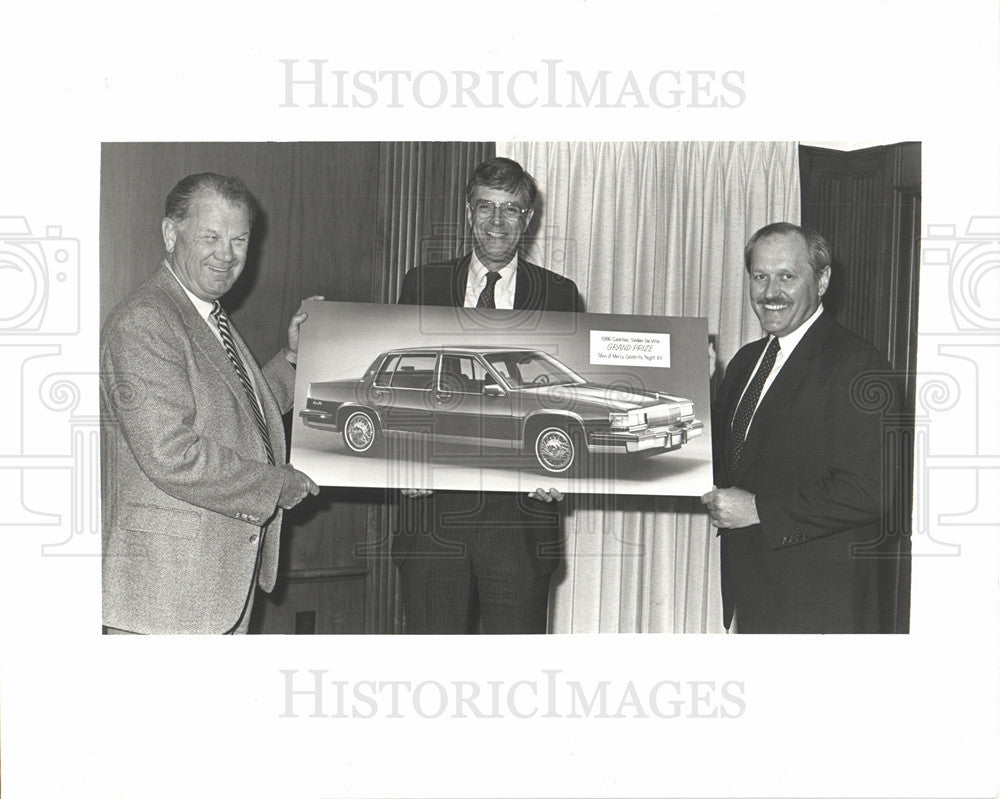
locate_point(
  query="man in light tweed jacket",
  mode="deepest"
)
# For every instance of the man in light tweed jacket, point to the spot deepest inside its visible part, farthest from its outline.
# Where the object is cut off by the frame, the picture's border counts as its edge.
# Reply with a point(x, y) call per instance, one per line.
point(193, 458)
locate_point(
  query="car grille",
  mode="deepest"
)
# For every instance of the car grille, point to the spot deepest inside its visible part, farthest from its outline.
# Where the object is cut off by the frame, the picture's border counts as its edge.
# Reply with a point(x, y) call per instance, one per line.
point(660, 415)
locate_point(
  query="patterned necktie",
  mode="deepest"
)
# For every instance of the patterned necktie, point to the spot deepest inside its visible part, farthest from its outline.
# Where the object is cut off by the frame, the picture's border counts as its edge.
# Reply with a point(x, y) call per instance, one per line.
point(486, 296)
point(747, 406)
point(222, 321)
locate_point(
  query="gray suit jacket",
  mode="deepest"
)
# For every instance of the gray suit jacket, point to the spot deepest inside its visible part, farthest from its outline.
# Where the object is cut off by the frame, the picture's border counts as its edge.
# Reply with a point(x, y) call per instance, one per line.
point(188, 496)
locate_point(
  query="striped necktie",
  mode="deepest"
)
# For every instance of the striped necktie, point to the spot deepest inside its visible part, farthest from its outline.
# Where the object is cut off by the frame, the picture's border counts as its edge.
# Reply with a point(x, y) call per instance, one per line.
point(486, 296)
point(748, 405)
point(226, 333)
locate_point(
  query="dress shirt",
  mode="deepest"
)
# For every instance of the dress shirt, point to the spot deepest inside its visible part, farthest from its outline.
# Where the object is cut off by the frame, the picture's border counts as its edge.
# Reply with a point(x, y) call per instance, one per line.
point(204, 309)
point(788, 344)
point(503, 292)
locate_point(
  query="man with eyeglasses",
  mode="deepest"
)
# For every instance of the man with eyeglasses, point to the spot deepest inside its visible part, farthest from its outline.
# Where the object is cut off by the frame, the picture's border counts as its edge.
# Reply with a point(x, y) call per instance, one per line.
point(486, 560)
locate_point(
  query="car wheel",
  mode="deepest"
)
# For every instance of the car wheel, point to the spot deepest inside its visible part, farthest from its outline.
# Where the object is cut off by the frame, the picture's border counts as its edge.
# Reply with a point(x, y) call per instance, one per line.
point(361, 432)
point(557, 450)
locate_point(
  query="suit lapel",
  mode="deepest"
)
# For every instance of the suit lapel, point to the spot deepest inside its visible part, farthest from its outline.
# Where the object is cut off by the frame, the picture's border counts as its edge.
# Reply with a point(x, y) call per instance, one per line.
point(459, 279)
point(782, 393)
point(203, 339)
point(528, 287)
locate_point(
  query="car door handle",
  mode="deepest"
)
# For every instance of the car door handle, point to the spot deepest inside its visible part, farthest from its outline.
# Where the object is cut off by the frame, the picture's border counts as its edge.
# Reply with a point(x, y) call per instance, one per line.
point(379, 392)
point(442, 396)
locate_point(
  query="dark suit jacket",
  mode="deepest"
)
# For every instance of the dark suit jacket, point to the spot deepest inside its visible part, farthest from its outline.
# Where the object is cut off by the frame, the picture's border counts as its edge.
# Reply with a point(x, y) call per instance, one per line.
point(444, 284)
point(813, 458)
point(453, 512)
point(187, 491)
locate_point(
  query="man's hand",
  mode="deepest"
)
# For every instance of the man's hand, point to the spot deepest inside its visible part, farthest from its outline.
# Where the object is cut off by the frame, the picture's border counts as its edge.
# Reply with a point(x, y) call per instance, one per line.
point(413, 493)
point(296, 487)
point(552, 495)
point(292, 354)
point(731, 507)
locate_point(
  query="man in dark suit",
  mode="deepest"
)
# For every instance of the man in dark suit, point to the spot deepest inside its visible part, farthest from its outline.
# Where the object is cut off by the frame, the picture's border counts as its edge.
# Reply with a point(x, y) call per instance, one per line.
point(193, 462)
point(797, 459)
point(466, 557)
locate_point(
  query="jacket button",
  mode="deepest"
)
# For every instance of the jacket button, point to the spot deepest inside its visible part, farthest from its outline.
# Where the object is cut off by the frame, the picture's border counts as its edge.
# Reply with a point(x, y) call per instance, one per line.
point(253, 537)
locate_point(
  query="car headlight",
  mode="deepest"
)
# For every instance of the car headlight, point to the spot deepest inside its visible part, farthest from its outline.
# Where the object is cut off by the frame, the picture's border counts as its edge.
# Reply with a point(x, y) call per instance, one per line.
point(687, 409)
point(630, 420)
point(619, 421)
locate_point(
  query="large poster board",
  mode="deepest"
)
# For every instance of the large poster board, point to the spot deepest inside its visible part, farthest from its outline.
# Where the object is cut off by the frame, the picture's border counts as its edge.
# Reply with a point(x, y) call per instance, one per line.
point(456, 398)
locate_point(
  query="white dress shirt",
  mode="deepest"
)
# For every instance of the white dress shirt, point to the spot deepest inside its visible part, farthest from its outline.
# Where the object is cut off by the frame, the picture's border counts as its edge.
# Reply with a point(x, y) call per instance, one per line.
point(787, 343)
point(503, 292)
point(204, 309)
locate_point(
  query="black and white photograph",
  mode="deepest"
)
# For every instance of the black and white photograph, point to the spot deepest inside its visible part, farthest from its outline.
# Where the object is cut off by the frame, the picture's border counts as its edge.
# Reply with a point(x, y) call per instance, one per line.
point(461, 439)
point(554, 400)
point(587, 402)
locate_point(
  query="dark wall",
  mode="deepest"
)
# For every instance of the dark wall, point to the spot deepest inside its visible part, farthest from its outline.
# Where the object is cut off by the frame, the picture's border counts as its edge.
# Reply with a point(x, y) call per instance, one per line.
point(867, 204)
point(316, 233)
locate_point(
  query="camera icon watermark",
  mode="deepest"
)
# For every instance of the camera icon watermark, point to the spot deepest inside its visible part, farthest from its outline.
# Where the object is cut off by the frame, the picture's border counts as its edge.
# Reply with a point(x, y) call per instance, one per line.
point(973, 259)
point(39, 280)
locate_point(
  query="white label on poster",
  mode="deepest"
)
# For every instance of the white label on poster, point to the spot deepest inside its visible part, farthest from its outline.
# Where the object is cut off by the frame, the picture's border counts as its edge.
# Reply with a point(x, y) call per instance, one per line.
point(633, 349)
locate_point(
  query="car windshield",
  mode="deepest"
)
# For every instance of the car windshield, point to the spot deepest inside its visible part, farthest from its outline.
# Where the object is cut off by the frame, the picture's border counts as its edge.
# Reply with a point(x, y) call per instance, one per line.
point(531, 369)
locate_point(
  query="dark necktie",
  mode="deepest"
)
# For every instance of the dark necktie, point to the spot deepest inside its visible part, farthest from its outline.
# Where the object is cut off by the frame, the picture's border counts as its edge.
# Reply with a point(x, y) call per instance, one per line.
point(747, 406)
point(234, 357)
point(486, 296)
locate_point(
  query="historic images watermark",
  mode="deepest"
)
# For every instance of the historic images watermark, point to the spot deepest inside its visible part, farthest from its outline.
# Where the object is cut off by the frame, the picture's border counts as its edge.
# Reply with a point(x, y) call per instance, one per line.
point(318, 83)
point(957, 429)
point(313, 693)
point(41, 280)
point(48, 450)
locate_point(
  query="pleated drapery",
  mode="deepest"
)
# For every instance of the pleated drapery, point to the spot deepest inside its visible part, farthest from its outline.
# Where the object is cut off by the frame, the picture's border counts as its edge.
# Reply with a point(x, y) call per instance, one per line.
point(652, 228)
point(421, 219)
point(422, 200)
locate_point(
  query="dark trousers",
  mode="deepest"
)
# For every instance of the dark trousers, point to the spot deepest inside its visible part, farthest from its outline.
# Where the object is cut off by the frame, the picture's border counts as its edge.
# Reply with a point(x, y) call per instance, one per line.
point(469, 561)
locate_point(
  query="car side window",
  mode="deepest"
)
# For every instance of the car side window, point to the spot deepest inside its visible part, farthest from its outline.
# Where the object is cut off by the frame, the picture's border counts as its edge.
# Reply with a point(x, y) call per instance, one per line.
point(415, 371)
point(461, 374)
point(385, 373)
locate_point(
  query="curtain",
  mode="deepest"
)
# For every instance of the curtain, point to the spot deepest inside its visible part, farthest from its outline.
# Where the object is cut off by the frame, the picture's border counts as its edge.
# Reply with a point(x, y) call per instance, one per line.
point(422, 204)
point(652, 228)
point(421, 217)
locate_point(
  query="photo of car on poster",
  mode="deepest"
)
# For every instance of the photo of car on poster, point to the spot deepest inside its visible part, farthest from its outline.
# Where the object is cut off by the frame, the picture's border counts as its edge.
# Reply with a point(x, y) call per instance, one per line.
point(454, 398)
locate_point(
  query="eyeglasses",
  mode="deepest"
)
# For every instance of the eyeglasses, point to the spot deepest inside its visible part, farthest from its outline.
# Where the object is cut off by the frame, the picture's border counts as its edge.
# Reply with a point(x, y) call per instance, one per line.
point(484, 209)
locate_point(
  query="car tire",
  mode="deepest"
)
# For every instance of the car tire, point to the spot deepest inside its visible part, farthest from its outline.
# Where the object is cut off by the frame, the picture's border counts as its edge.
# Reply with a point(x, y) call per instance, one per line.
point(559, 450)
point(361, 433)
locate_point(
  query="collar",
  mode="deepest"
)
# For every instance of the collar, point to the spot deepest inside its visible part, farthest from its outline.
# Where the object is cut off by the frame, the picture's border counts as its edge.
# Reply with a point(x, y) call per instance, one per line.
point(791, 340)
point(477, 271)
point(203, 307)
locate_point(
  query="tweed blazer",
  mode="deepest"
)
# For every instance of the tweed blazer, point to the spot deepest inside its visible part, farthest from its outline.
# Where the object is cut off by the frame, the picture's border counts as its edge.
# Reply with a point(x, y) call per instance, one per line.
point(189, 500)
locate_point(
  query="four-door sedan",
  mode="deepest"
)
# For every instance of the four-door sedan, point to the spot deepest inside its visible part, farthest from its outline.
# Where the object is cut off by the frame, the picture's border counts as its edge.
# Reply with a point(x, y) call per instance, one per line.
point(516, 399)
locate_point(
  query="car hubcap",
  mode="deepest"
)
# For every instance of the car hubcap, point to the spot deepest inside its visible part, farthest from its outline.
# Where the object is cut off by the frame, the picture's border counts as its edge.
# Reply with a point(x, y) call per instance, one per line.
point(360, 431)
point(555, 450)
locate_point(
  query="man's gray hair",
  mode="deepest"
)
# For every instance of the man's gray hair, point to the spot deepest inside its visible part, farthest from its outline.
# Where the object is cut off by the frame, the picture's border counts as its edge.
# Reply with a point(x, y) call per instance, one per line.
point(505, 175)
point(231, 189)
point(819, 250)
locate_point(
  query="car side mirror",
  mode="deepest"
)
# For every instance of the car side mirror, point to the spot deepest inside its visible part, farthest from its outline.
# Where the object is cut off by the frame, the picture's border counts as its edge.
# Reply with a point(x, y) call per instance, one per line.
point(492, 390)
